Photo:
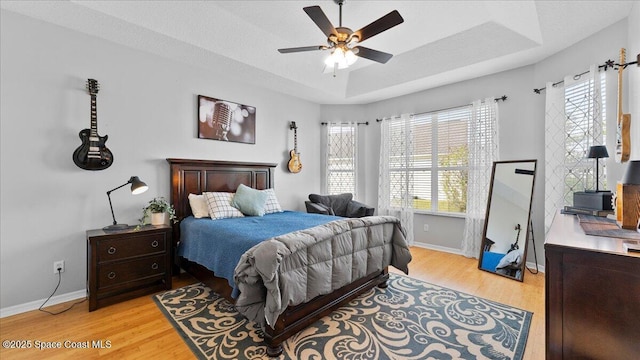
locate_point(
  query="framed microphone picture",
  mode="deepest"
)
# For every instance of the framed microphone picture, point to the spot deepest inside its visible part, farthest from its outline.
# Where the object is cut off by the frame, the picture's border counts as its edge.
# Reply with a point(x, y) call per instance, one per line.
point(226, 121)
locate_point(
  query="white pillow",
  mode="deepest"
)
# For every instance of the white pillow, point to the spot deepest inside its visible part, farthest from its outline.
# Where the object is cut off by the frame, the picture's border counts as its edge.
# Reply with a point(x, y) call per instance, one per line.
point(272, 205)
point(199, 206)
point(219, 204)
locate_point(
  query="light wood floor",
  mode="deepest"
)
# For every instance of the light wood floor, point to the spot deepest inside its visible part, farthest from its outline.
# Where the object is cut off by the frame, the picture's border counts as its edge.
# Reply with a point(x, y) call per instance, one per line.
point(137, 329)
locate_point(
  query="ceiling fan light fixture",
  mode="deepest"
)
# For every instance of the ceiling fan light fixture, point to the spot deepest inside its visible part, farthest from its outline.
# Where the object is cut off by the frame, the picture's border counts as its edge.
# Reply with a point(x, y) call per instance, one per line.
point(351, 57)
point(340, 58)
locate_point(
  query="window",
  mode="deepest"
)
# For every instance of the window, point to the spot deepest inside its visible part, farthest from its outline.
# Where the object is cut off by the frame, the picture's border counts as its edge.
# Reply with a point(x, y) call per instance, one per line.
point(341, 158)
point(429, 156)
point(585, 126)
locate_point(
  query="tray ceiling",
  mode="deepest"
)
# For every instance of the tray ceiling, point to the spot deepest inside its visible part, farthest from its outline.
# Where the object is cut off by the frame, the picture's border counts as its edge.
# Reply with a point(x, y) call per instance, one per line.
point(440, 42)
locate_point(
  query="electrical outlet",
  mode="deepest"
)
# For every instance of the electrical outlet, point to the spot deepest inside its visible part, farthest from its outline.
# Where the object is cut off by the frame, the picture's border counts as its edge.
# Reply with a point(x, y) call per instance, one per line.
point(58, 265)
point(426, 227)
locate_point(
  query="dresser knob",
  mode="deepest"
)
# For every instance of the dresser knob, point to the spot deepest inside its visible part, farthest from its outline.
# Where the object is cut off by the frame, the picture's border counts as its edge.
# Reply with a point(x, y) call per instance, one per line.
point(154, 266)
point(154, 243)
point(111, 275)
point(111, 250)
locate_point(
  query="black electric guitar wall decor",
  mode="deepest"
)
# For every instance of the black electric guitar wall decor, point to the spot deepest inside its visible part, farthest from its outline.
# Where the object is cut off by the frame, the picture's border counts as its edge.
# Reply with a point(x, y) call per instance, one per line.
point(93, 154)
point(294, 162)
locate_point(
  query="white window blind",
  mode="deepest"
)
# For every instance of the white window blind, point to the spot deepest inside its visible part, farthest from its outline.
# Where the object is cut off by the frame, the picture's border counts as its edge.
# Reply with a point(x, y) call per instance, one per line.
point(585, 126)
point(341, 158)
point(436, 171)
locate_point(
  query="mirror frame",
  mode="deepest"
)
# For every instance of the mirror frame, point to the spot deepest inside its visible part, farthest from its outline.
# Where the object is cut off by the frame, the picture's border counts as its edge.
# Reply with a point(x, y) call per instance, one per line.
point(526, 228)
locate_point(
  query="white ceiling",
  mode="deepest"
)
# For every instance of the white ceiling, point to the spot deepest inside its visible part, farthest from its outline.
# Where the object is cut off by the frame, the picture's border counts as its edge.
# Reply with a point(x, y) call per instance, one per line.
point(440, 42)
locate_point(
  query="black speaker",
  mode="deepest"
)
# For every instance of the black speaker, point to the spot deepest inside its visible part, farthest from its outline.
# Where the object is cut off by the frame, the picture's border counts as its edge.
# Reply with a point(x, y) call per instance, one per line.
point(593, 200)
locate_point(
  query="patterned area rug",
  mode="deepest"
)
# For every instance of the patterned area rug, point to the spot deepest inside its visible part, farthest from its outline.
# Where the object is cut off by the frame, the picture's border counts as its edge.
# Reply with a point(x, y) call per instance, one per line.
point(410, 319)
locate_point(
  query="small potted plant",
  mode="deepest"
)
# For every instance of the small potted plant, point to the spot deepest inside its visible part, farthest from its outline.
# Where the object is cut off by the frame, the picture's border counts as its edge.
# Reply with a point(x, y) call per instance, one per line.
point(158, 212)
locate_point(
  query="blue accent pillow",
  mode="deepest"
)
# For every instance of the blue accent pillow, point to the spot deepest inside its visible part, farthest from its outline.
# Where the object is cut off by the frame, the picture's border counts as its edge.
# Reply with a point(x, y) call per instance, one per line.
point(249, 201)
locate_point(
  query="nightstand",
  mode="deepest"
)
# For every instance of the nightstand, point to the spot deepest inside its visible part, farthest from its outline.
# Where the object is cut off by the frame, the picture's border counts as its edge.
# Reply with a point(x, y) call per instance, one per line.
point(126, 264)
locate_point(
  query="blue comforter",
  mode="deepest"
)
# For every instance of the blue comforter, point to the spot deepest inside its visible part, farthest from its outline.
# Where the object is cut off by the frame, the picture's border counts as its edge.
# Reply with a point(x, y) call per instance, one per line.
point(219, 244)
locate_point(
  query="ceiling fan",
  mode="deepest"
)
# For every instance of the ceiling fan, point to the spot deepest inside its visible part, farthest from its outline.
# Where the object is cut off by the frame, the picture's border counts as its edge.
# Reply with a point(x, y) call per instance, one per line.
point(343, 42)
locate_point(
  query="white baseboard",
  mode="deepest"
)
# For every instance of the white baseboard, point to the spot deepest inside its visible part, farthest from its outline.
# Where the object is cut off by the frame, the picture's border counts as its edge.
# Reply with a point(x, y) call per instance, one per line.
point(532, 266)
point(437, 248)
point(35, 305)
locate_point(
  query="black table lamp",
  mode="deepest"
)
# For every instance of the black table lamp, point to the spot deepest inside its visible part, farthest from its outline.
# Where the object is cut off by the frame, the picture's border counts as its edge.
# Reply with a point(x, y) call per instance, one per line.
point(137, 187)
point(597, 152)
point(632, 175)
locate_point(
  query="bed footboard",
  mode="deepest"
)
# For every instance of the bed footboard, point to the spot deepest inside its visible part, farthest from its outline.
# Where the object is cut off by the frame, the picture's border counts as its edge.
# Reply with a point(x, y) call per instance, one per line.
point(296, 318)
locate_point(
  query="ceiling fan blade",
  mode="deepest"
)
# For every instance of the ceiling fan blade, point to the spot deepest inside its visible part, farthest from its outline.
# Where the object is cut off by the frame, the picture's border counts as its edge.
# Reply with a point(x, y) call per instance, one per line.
point(375, 55)
point(299, 49)
point(318, 16)
point(384, 23)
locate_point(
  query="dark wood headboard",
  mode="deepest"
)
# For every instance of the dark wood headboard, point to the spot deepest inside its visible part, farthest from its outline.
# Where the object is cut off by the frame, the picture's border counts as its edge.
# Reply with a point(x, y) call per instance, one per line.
point(198, 176)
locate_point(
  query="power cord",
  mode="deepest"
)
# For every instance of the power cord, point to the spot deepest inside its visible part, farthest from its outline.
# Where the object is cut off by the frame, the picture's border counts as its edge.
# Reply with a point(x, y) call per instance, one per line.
point(54, 291)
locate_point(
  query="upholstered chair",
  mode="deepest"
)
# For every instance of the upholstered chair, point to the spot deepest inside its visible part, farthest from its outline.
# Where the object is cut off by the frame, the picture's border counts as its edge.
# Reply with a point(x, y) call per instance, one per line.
point(339, 205)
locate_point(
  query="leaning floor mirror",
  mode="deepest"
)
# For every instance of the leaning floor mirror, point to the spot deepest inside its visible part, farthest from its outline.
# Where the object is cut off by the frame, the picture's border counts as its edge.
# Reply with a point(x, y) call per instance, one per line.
point(508, 217)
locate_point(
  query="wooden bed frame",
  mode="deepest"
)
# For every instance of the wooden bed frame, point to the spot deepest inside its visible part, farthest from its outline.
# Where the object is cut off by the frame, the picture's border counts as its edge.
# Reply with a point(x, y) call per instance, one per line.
point(198, 176)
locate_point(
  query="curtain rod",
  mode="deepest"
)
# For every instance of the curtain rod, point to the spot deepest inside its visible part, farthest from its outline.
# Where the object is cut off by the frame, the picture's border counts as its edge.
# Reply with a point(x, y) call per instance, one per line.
point(503, 98)
point(607, 64)
point(345, 123)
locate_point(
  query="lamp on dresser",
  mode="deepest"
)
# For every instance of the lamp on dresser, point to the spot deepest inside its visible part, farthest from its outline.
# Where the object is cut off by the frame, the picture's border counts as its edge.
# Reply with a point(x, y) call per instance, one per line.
point(137, 187)
point(598, 152)
point(628, 197)
point(594, 199)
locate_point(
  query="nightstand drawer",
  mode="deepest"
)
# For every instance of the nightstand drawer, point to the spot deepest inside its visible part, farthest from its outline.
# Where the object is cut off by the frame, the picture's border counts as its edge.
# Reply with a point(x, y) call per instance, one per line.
point(132, 246)
point(127, 271)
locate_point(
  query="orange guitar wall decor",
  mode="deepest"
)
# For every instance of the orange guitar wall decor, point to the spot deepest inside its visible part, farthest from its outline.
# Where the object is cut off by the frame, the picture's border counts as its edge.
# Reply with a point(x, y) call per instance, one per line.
point(623, 133)
point(294, 162)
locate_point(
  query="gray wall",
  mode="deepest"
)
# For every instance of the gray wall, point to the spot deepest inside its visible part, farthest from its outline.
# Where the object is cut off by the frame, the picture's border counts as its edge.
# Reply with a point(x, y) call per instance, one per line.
point(147, 106)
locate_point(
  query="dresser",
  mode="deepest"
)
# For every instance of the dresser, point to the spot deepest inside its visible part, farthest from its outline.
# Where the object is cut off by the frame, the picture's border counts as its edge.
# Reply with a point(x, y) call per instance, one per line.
point(592, 296)
point(125, 264)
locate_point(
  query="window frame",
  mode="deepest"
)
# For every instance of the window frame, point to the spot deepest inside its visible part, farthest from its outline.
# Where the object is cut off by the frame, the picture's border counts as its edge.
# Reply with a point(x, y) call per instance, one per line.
point(353, 126)
point(435, 169)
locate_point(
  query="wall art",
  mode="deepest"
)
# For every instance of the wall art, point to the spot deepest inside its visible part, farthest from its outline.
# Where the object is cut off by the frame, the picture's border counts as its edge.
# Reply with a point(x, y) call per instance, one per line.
point(226, 121)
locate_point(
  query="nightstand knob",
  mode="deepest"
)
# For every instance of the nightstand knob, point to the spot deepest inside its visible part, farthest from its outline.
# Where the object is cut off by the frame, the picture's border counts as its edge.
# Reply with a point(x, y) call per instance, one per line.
point(111, 275)
point(154, 243)
point(111, 250)
point(154, 266)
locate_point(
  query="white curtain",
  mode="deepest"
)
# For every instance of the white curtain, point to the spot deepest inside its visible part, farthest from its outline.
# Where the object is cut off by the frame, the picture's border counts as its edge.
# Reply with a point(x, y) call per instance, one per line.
point(568, 136)
point(483, 151)
point(402, 208)
point(325, 157)
point(555, 134)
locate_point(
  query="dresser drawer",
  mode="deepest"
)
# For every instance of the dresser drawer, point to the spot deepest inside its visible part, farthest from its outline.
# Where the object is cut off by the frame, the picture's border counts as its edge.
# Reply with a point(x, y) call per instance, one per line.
point(128, 271)
point(133, 246)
